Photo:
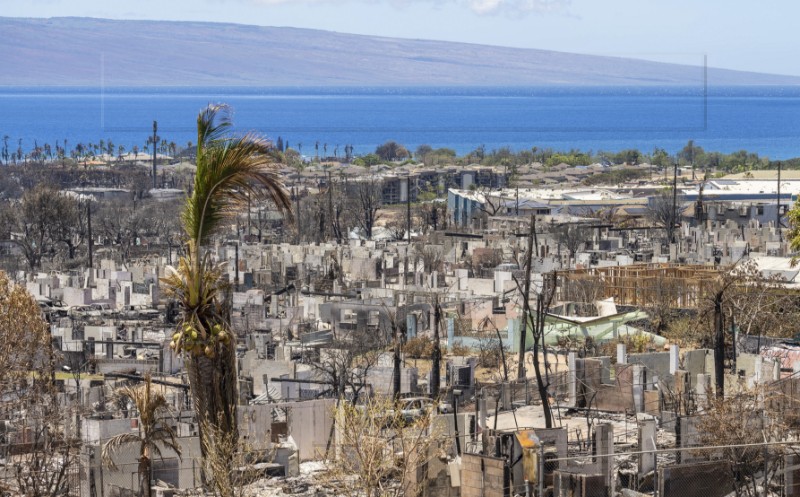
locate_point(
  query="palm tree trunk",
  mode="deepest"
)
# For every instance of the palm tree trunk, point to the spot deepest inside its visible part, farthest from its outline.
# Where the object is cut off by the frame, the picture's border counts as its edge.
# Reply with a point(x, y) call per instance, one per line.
point(145, 476)
point(215, 395)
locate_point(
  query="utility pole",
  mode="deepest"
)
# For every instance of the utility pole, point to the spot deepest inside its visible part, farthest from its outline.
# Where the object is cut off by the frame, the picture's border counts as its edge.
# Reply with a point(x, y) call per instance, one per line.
point(778, 212)
point(236, 261)
point(155, 146)
point(297, 212)
point(330, 205)
point(674, 213)
point(89, 230)
point(719, 345)
point(397, 369)
point(408, 207)
point(408, 227)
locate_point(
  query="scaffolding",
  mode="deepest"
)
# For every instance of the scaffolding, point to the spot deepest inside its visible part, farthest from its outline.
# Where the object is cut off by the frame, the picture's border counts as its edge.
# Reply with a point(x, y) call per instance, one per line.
point(641, 285)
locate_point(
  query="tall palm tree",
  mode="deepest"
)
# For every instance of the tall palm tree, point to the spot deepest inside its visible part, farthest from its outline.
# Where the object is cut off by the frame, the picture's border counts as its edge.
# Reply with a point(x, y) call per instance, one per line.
point(153, 435)
point(5, 149)
point(229, 171)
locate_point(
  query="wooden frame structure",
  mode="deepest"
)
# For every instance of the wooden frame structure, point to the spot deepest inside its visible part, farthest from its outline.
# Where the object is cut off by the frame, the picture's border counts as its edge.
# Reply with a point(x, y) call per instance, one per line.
point(641, 285)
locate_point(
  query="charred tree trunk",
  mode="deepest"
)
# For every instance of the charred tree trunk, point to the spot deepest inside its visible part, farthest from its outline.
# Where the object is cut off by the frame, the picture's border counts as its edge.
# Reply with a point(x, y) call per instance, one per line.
point(526, 307)
point(396, 370)
point(719, 346)
point(538, 335)
point(436, 355)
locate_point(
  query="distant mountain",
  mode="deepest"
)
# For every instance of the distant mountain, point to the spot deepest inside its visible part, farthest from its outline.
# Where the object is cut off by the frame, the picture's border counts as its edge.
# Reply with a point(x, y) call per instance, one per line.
point(88, 52)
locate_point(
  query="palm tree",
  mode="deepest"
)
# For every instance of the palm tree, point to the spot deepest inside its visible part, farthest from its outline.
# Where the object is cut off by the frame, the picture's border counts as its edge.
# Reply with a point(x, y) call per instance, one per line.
point(5, 149)
point(229, 171)
point(153, 434)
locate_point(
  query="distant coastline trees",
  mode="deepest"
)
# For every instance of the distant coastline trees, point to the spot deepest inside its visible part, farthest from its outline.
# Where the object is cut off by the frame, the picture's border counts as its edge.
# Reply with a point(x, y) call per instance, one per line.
point(691, 155)
point(391, 151)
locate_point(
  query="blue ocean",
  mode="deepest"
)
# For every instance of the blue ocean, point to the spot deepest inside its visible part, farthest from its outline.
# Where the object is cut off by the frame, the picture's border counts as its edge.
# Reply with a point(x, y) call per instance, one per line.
point(765, 120)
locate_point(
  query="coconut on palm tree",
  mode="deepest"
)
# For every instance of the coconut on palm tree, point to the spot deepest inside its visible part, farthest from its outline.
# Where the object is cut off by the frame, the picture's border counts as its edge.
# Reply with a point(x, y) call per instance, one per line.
point(153, 434)
point(230, 170)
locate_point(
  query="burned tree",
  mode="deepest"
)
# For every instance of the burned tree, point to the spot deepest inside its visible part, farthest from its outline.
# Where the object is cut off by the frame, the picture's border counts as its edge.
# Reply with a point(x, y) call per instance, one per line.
point(46, 452)
point(536, 323)
point(573, 237)
point(365, 199)
point(664, 210)
point(345, 364)
point(41, 222)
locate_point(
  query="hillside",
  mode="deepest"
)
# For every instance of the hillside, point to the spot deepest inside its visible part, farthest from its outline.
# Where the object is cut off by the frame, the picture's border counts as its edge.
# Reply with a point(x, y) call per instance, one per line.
point(82, 51)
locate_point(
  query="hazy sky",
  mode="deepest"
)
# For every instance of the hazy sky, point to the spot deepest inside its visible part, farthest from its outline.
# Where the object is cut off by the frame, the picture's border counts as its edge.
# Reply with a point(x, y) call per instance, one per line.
point(735, 34)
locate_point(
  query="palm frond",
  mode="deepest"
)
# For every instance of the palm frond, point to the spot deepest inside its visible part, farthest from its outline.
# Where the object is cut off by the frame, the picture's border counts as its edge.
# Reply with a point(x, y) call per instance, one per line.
point(196, 288)
point(128, 392)
point(212, 124)
point(148, 402)
point(113, 444)
point(228, 174)
point(165, 436)
point(151, 404)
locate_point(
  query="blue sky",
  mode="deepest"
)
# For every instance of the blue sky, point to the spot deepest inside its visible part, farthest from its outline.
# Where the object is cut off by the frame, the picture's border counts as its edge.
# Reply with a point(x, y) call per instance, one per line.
point(735, 34)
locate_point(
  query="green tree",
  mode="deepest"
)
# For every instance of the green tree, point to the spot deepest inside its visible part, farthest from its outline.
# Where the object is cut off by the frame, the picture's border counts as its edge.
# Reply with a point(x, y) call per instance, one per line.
point(422, 151)
point(660, 158)
point(794, 230)
point(690, 153)
point(230, 172)
point(153, 432)
point(368, 160)
point(391, 151)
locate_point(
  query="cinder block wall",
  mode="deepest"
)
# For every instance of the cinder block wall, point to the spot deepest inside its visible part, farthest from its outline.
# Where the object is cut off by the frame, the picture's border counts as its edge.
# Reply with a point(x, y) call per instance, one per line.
point(482, 480)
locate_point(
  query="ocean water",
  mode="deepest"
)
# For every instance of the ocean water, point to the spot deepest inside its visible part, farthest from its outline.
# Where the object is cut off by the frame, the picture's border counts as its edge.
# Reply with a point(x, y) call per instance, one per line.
point(765, 120)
